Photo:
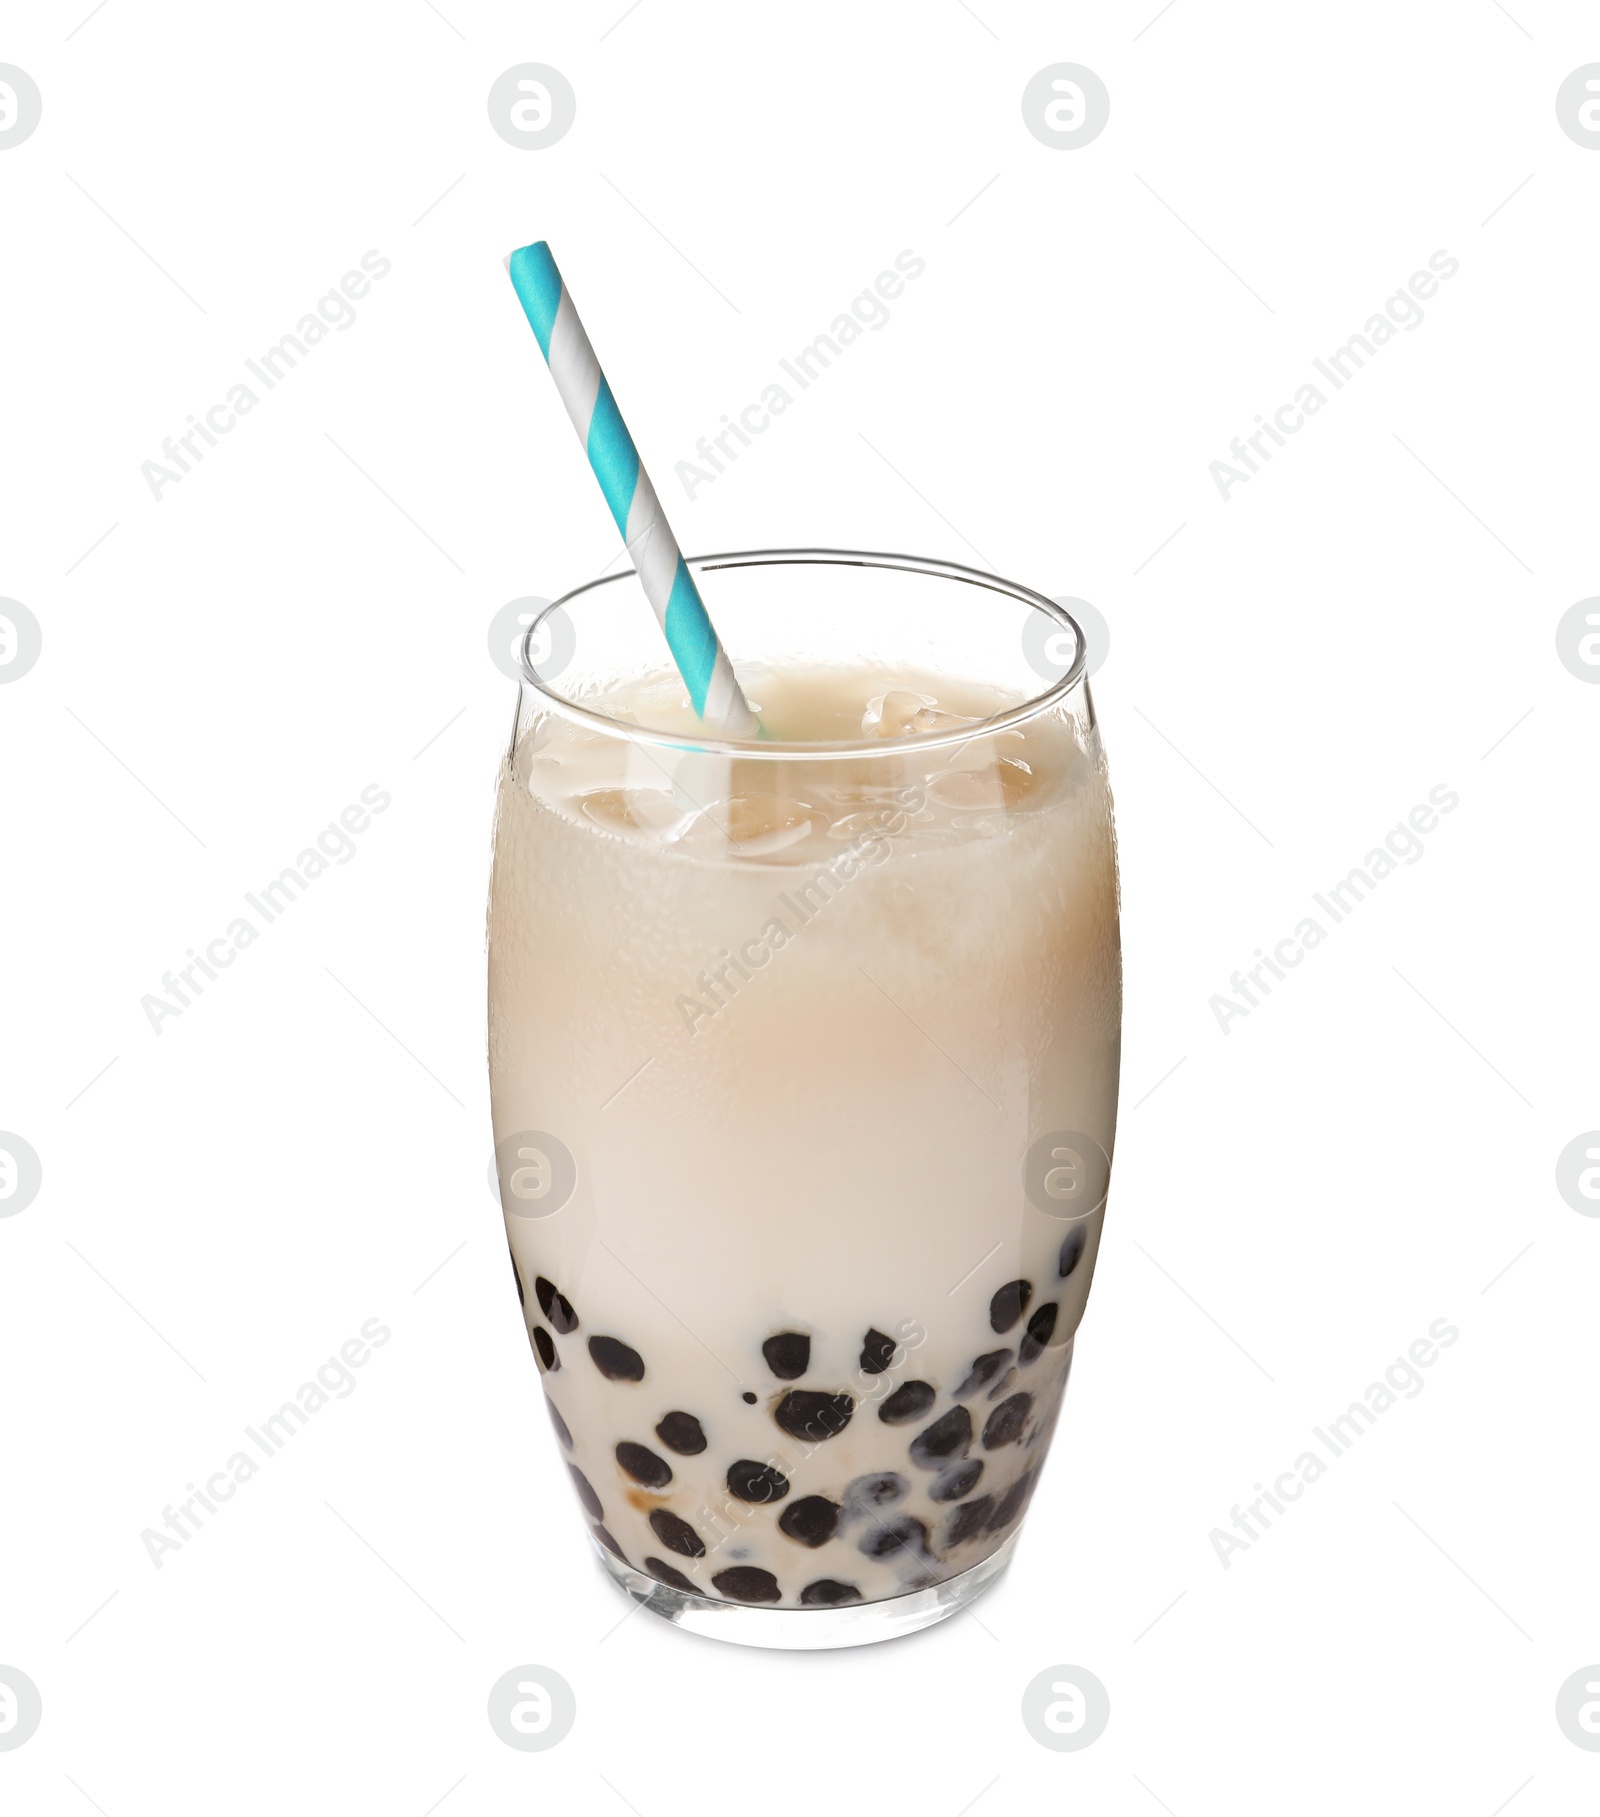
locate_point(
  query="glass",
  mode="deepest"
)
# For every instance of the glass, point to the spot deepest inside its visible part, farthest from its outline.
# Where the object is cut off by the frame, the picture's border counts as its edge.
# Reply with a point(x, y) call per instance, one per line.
point(803, 1058)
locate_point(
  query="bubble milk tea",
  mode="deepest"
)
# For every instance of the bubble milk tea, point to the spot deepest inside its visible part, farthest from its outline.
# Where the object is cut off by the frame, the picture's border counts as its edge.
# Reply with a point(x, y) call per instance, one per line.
point(804, 1076)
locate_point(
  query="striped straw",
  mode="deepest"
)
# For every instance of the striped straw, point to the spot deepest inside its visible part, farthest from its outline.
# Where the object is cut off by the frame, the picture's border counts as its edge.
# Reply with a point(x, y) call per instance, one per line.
point(697, 650)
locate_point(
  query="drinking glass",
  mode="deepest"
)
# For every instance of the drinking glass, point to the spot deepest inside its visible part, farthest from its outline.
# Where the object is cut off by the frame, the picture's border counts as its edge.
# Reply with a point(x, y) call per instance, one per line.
point(803, 1055)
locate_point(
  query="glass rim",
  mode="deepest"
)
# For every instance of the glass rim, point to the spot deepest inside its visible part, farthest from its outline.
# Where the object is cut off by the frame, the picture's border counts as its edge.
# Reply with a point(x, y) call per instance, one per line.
point(821, 750)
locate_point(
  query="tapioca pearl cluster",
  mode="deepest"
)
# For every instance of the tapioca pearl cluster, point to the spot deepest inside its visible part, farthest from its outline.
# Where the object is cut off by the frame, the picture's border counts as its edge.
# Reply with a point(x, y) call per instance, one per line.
point(618, 1362)
point(988, 1515)
point(864, 1510)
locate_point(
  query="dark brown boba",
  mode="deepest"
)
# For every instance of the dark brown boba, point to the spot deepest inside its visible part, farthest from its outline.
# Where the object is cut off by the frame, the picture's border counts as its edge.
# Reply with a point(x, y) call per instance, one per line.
point(812, 1521)
point(1005, 1424)
point(544, 1344)
point(563, 1431)
point(555, 1306)
point(877, 1352)
point(586, 1494)
point(683, 1433)
point(642, 1464)
point(1040, 1329)
point(755, 1482)
point(1072, 1246)
point(616, 1361)
point(828, 1593)
point(608, 1542)
point(968, 1521)
point(804, 1413)
point(1012, 1503)
point(956, 1480)
point(1003, 1386)
point(1009, 1304)
point(904, 1537)
point(658, 1567)
point(748, 1583)
point(908, 1402)
point(984, 1369)
point(948, 1436)
point(676, 1534)
point(788, 1354)
point(866, 1494)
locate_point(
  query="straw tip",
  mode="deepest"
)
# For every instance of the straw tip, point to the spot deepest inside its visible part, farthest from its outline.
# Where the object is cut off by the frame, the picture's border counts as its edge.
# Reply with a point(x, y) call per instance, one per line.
point(535, 248)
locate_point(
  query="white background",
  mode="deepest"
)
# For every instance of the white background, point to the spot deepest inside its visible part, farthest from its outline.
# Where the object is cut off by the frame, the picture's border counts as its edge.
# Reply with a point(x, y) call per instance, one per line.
point(1370, 1150)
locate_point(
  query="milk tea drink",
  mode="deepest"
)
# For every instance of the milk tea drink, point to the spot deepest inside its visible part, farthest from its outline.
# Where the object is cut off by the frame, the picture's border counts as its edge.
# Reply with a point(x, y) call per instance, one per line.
point(804, 1081)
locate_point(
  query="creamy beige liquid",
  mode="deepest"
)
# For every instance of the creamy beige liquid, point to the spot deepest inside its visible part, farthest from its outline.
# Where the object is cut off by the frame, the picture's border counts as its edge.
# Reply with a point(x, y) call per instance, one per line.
point(798, 1024)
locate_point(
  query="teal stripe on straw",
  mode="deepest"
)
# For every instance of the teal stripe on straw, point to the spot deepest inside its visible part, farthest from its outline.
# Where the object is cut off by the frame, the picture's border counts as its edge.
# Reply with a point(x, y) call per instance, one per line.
point(613, 456)
point(538, 286)
point(690, 636)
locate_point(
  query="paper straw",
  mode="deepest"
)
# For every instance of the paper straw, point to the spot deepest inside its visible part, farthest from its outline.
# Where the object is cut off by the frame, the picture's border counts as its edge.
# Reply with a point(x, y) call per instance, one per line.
point(668, 585)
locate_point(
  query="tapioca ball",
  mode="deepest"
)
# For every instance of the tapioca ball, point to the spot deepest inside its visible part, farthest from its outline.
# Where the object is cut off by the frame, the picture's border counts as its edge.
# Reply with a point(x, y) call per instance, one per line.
point(877, 1352)
point(755, 1482)
point(908, 1402)
point(1040, 1328)
point(788, 1354)
point(1004, 1426)
point(516, 1275)
point(813, 1520)
point(676, 1534)
point(586, 1494)
point(683, 1433)
point(1009, 1304)
point(828, 1593)
point(748, 1583)
point(882, 1489)
point(563, 1431)
point(948, 1436)
point(1072, 1247)
point(984, 1369)
point(804, 1413)
point(555, 1306)
point(616, 1361)
point(956, 1480)
point(969, 1520)
point(642, 1464)
point(1003, 1386)
point(545, 1345)
point(903, 1537)
point(748, 1398)
point(1012, 1503)
point(608, 1542)
point(658, 1567)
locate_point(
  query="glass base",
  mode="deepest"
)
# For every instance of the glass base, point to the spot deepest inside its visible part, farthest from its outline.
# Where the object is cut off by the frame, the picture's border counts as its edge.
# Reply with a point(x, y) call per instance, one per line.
point(853, 1625)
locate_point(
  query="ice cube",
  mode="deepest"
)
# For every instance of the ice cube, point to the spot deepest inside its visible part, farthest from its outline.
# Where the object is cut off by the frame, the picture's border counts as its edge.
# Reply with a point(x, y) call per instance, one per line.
point(902, 714)
point(757, 826)
point(633, 811)
point(965, 790)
